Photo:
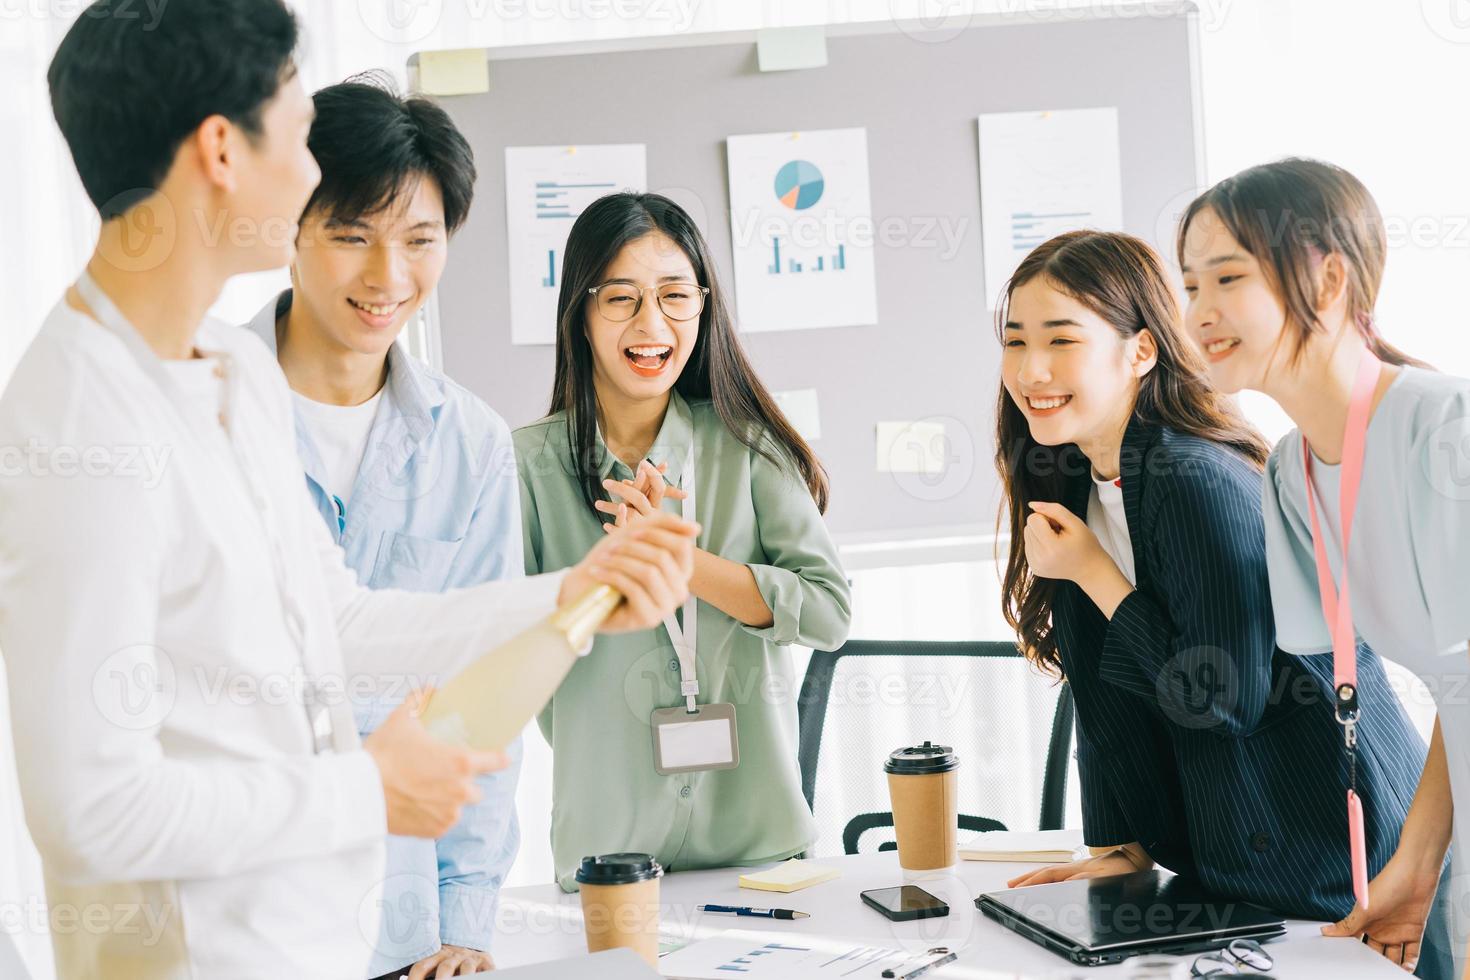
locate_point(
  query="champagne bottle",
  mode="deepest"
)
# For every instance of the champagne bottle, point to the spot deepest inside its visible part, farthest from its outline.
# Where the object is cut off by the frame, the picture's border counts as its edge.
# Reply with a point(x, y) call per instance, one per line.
point(486, 705)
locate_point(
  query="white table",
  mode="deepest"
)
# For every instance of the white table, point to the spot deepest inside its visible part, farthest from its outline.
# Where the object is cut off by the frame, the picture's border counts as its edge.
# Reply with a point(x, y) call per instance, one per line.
point(540, 922)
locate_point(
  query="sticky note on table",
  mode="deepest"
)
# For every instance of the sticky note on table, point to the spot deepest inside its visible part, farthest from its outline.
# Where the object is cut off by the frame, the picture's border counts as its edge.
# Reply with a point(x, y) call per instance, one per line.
point(792, 876)
point(799, 405)
point(791, 48)
point(911, 447)
point(459, 72)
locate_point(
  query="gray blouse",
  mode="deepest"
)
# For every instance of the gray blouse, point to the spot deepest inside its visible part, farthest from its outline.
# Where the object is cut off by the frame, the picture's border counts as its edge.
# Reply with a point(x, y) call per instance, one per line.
point(1409, 561)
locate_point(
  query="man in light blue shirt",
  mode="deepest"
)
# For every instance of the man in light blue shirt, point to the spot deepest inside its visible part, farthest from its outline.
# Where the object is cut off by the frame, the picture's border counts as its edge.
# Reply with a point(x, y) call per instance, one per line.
point(412, 473)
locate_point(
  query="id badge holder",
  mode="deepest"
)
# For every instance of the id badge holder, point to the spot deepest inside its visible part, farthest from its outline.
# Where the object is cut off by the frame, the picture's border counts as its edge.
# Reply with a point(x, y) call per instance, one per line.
point(1358, 845)
point(698, 741)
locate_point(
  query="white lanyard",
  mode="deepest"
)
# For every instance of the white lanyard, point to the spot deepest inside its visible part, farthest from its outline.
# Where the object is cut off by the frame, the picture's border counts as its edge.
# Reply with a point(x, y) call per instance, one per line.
point(684, 639)
point(111, 318)
point(693, 737)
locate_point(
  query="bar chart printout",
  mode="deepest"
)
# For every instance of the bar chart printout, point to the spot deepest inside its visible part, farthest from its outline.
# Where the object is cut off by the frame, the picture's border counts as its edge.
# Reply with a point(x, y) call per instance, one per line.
point(546, 189)
point(1041, 174)
point(736, 953)
point(801, 219)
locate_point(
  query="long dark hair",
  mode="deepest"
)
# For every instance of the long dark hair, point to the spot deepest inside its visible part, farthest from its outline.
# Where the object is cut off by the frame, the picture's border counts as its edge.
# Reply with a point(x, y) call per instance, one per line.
point(1119, 278)
point(1291, 213)
point(717, 368)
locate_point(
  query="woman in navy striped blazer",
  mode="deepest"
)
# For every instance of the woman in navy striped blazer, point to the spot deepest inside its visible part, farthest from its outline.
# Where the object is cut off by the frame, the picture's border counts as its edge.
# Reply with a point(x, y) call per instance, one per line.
point(1137, 571)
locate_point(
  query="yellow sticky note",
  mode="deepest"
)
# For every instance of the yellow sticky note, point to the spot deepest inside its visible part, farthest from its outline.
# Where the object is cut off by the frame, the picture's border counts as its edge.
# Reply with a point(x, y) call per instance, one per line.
point(789, 48)
point(792, 876)
point(459, 72)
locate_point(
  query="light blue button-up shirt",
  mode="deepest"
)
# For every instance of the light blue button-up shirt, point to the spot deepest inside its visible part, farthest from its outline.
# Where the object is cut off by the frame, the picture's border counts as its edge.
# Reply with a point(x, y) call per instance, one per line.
point(435, 506)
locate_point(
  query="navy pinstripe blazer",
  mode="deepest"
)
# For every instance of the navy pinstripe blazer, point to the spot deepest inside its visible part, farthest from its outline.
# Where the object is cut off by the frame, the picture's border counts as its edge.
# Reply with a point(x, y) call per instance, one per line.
point(1199, 739)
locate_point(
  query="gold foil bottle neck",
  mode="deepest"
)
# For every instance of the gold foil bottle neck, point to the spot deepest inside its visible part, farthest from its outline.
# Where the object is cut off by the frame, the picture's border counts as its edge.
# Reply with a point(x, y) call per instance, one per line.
point(580, 619)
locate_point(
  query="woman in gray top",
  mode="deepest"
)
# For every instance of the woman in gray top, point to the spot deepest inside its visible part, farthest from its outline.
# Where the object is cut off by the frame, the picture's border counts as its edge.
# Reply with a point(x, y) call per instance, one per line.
point(1282, 265)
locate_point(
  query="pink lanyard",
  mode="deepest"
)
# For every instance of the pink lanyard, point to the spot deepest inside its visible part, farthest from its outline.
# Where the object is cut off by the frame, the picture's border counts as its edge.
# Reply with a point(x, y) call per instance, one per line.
point(1337, 608)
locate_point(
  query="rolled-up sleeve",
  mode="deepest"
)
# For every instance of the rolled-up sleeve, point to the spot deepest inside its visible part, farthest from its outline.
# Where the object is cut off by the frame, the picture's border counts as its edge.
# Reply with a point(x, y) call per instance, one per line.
point(475, 857)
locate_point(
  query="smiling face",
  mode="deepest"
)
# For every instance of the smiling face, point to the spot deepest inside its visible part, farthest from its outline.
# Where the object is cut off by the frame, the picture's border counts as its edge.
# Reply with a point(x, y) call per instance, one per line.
point(1068, 370)
point(642, 357)
point(361, 279)
point(1233, 312)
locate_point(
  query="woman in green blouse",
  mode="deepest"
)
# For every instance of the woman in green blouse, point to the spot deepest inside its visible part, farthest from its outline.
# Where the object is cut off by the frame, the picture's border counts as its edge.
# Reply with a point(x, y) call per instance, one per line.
point(650, 378)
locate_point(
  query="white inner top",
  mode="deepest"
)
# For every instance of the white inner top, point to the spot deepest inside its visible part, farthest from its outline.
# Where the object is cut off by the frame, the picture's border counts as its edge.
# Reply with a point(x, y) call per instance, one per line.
point(340, 434)
point(1105, 518)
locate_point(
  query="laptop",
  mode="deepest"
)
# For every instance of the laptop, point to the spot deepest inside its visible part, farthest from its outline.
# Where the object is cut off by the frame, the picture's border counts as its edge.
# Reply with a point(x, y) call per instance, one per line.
point(1106, 920)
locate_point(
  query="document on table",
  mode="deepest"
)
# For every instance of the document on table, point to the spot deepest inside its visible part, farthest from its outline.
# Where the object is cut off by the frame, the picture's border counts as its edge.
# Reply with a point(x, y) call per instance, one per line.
point(794, 956)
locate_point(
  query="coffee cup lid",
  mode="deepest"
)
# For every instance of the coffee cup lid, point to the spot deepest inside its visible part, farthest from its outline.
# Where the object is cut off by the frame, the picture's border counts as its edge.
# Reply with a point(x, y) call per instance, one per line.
point(617, 869)
point(921, 759)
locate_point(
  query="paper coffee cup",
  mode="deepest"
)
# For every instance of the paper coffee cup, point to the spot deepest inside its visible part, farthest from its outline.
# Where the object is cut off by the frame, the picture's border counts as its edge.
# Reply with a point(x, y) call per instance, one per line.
point(620, 903)
point(923, 785)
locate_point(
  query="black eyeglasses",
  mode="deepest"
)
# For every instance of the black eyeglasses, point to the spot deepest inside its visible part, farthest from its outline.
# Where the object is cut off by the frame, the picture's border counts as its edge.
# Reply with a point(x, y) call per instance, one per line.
point(618, 301)
point(1242, 956)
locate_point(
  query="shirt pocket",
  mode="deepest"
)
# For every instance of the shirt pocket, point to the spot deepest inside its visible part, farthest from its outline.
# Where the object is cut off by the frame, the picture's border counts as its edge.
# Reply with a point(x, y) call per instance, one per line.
point(406, 561)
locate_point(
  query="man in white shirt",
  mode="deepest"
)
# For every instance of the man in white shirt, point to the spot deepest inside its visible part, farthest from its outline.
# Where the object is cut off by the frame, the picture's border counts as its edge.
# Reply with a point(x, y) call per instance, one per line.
point(179, 628)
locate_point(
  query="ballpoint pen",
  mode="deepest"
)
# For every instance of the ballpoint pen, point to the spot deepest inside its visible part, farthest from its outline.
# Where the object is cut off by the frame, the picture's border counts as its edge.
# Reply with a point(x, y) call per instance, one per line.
point(756, 913)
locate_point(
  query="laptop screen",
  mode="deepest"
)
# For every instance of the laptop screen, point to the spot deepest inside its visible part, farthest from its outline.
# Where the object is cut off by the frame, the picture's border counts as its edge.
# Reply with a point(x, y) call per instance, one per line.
point(1144, 908)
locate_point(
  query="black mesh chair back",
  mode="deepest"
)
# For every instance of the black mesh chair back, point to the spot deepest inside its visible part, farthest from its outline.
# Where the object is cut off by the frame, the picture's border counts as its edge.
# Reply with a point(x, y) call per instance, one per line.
point(1010, 726)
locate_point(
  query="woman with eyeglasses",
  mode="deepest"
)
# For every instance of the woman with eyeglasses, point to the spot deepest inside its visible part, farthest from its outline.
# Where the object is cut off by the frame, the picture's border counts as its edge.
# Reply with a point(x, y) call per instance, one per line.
point(679, 742)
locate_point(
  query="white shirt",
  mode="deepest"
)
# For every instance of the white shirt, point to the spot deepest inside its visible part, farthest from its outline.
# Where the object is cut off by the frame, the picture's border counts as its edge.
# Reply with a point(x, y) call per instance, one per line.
point(163, 586)
point(202, 382)
point(1106, 519)
point(340, 434)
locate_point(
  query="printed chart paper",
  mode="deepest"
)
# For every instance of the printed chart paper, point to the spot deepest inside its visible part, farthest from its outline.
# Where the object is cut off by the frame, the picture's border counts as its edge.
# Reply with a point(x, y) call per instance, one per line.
point(776, 956)
point(546, 188)
point(798, 956)
point(1043, 173)
point(801, 227)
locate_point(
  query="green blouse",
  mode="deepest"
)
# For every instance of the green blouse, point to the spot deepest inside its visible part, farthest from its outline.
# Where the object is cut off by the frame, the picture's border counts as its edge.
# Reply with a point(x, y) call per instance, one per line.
point(606, 795)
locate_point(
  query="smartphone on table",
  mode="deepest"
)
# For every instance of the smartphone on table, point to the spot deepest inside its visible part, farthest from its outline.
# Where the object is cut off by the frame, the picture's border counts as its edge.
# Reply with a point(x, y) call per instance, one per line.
point(905, 902)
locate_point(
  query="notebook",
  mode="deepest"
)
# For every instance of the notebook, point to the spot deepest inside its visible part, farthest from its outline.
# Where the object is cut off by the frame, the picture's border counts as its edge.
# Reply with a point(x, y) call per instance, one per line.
point(1046, 846)
point(792, 876)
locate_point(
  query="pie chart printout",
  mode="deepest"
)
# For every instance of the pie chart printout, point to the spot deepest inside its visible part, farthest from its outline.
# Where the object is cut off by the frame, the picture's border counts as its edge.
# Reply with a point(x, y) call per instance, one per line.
point(801, 229)
point(799, 185)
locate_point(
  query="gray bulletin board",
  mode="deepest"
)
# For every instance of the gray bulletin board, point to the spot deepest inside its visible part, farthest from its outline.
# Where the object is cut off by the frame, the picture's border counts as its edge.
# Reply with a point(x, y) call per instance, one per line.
point(933, 353)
